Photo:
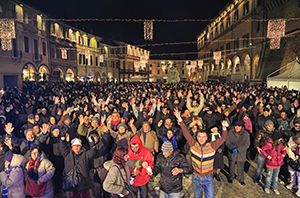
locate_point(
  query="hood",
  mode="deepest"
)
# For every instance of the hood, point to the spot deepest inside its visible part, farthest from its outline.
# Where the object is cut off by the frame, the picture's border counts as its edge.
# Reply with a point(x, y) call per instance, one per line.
point(136, 140)
point(17, 160)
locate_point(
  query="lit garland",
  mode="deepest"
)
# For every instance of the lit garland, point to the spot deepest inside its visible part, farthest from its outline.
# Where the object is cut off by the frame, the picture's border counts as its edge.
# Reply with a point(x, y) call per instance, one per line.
point(7, 33)
point(64, 54)
point(148, 30)
point(143, 61)
point(217, 57)
point(276, 30)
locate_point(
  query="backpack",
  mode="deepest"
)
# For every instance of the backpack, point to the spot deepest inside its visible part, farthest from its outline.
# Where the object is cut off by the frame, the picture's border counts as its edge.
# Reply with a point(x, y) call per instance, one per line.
point(102, 173)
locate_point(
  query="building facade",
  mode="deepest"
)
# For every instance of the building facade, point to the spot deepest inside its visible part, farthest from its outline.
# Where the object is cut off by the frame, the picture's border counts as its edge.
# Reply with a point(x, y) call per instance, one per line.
point(34, 47)
point(239, 32)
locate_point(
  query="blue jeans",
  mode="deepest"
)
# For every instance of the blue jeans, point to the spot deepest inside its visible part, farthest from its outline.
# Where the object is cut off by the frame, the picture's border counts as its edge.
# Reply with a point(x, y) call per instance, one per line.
point(272, 176)
point(171, 195)
point(260, 165)
point(203, 183)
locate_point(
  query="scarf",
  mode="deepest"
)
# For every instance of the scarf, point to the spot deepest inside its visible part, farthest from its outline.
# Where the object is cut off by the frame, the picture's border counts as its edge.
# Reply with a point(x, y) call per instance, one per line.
point(115, 123)
point(32, 168)
point(172, 140)
point(30, 143)
point(248, 125)
point(4, 188)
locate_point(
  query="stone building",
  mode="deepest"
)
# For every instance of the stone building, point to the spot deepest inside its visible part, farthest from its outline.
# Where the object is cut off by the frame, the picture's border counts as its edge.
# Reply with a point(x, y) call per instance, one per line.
point(239, 31)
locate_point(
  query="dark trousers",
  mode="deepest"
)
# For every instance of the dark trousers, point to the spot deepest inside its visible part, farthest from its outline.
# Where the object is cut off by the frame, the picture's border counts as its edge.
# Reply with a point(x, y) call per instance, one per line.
point(143, 190)
point(240, 170)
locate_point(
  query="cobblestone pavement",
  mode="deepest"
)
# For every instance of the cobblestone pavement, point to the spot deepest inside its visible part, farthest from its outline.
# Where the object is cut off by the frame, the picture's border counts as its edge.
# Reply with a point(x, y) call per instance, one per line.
point(225, 190)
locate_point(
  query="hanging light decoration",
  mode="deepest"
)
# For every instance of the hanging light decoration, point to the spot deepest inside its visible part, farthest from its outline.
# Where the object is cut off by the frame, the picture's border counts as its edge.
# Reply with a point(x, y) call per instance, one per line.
point(143, 61)
point(217, 57)
point(7, 33)
point(276, 30)
point(193, 65)
point(200, 63)
point(148, 30)
point(136, 66)
point(101, 59)
point(64, 54)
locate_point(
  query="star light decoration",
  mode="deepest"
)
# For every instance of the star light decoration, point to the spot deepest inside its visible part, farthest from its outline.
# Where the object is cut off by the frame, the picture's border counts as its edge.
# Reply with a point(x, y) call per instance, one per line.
point(136, 66)
point(148, 30)
point(217, 57)
point(101, 59)
point(7, 33)
point(143, 61)
point(276, 30)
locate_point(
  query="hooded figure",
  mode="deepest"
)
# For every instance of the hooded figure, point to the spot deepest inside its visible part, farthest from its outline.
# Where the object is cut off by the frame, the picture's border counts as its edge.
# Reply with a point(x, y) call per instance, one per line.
point(138, 152)
point(12, 178)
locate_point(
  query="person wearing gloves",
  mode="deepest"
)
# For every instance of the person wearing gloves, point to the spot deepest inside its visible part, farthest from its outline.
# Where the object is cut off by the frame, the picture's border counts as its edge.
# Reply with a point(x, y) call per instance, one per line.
point(238, 142)
point(171, 165)
point(12, 177)
point(202, 157)
point(274, 152)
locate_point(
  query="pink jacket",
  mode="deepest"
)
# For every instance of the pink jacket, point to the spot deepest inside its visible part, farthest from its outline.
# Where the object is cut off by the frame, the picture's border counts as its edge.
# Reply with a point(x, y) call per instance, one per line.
point(277, 159)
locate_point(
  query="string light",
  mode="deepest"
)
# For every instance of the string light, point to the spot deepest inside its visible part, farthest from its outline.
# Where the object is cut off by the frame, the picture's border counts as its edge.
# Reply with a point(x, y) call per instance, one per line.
point(136, 66)
point(7, 33)
point(276, 30)
point(193, 65)
point(101, 58)
point(148, 30)
point(200, 63)
point(217, 57)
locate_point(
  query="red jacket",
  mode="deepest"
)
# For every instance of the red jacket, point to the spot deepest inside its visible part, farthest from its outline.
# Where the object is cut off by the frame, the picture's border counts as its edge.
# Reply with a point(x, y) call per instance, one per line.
point(144, 155)
point(277, 159)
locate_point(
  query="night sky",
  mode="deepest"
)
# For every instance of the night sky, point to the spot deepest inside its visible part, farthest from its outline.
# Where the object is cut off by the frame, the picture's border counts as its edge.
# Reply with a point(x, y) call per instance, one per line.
point(133, 32)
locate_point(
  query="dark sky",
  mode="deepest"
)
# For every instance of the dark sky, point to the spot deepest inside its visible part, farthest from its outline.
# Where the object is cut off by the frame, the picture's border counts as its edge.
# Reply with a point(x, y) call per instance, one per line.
point(133, 32)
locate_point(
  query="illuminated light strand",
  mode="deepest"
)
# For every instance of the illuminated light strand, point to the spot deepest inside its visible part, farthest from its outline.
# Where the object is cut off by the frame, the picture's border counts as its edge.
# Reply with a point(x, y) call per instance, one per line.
point(217, 57)
point(276, 30)
point(200, 63)
point(64, 54)
point(148, 30)
point(7, 33)
point(155, 20)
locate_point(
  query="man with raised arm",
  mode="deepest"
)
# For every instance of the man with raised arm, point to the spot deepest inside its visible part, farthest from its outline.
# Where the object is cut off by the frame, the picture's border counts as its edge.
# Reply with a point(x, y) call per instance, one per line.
point(202, 157)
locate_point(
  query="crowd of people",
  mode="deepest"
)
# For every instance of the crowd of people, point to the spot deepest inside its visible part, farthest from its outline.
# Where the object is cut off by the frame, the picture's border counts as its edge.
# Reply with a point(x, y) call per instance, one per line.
point(85, 139)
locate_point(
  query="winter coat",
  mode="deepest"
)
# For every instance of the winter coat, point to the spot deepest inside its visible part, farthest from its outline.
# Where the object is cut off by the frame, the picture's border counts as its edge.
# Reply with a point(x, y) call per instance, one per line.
point(143, 154)
point(161, 132)
point(15, 180)
point(45, 173)
point(113, 182)
point(277, 159)
point(261, 119)
point(240, 142)
point(170, 183)
point(262, 136)
point(5, 152)
point(151, 138)
point(81, 160)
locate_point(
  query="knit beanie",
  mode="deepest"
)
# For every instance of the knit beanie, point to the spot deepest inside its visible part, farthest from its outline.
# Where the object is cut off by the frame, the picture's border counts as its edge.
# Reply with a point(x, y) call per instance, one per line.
point(167, 146)
point(9, 158)
point(55, 127)
point(268, 122)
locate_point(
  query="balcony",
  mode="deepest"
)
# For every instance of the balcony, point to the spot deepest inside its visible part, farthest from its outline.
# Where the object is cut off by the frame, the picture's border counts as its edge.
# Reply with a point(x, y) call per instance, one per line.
point(132, 71)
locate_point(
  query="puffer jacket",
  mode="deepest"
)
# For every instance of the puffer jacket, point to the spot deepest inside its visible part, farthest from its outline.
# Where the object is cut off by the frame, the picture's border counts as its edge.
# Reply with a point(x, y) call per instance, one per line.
point(262, 137)
point(45, 173)
point(144, 155)
point(277, 159)
point(170, 183)
point(15, 180)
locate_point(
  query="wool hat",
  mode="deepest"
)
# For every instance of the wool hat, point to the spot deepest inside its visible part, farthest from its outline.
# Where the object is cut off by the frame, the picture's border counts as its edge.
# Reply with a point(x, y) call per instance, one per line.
point(122, 143)
point(30, 116)
point(276, 135)
point(268, 122)
point(239, 123)
point(167, 146)
point(122, 125)
point(9, 158)
point(55, 127)
point(76, 141)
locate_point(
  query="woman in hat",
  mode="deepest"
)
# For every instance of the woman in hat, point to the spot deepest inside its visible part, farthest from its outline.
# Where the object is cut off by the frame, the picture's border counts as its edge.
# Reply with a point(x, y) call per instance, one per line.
point(12, 177)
